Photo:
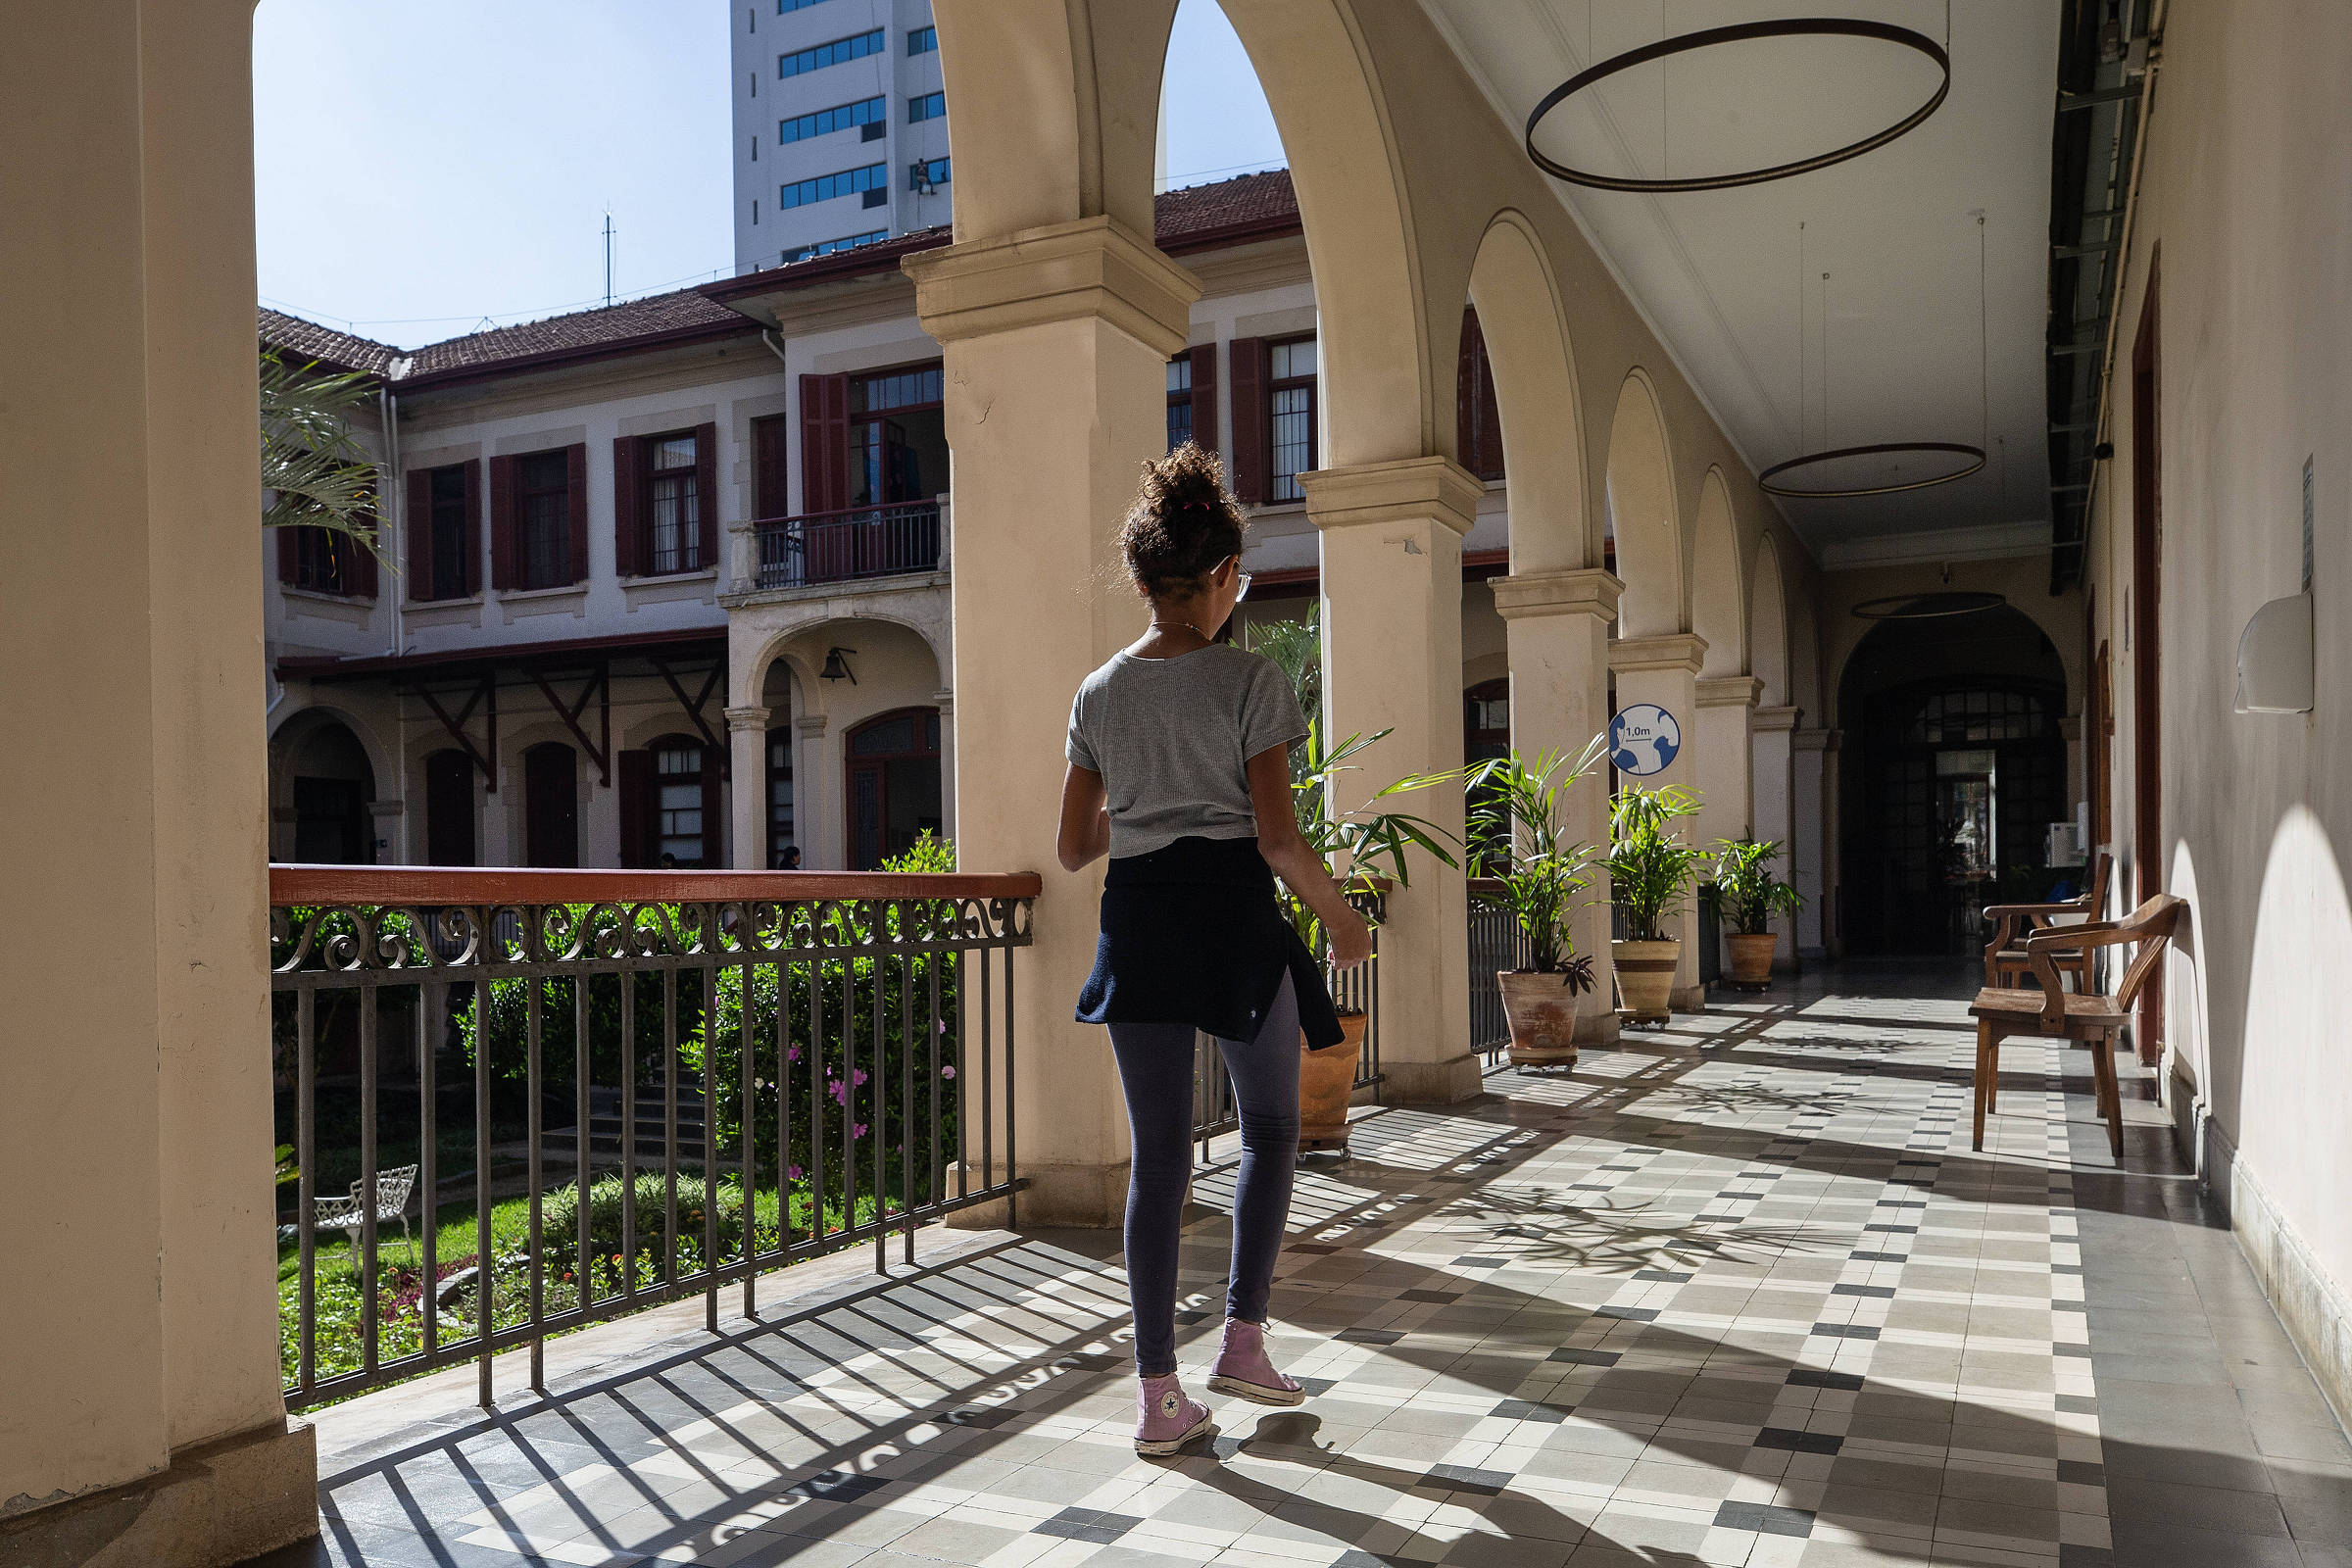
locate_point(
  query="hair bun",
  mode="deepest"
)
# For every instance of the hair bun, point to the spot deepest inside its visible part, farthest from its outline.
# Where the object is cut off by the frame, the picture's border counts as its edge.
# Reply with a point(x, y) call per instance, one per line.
point(1181, 523)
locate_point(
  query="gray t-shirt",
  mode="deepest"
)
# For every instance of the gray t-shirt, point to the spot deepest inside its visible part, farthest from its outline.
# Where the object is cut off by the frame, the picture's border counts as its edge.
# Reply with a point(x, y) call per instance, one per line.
point(1172, 739)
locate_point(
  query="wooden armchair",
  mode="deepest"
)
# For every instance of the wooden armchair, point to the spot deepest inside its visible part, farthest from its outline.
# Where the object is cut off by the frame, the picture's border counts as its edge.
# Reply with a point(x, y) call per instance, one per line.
point(2054, 1011)
point(2013, 923)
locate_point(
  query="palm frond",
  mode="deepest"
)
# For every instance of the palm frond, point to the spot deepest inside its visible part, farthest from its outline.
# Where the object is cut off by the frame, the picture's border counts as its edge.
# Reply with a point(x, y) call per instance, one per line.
point(315, 474)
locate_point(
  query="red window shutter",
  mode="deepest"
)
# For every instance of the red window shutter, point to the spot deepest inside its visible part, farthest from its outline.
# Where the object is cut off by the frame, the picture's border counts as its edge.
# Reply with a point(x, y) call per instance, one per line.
point(705, 490)
point(474, 525)
point(575, 486)
point(1252, 454)
point(824, 443)
point(504, 556)
point(771, 473)
point(289, 555)
point(637, 820)
point(419, 520)
point(362, 578)
point(628, 504)
point(359, 559)
point(1205, 396)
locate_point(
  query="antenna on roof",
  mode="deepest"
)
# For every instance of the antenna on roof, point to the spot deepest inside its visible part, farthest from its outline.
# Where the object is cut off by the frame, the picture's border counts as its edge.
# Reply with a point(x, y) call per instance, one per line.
point(608, 257)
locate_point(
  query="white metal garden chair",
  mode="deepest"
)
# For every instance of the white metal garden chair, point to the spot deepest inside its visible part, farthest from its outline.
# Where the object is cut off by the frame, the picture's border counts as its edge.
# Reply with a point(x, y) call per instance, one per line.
point(349, 1215)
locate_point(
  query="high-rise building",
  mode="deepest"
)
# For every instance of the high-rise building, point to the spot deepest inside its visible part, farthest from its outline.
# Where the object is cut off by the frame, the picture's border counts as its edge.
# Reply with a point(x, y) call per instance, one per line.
point(840, 130)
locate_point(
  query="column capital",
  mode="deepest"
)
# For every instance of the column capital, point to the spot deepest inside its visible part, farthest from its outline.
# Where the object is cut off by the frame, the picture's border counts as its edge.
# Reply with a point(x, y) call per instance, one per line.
point(1728, 691)
point(944, 699)
point(386, 807)
point(754, 717)
point(1578, 591)
point(809, 723)
point(1407, 489)
point(1681, 650)
point(1095, 268)
point(1765, 720)
point(1816, 739)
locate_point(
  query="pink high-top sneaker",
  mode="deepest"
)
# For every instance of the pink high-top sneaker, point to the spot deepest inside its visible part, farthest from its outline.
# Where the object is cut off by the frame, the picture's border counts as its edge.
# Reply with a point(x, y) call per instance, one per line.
point(1164, 1419)
point(1244, 1370)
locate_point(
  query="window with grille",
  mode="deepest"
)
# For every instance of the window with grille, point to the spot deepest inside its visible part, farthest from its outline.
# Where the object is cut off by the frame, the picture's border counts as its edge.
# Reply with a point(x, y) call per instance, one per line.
point(1180, 400)
point(780, 826)
point(676, 512)
point(1291, 408)
point(543, 506)
point(678, 782)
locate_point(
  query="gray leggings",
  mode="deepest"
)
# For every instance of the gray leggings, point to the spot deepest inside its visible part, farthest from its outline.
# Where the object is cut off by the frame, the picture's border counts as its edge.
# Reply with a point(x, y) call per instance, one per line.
point(1155, 1068)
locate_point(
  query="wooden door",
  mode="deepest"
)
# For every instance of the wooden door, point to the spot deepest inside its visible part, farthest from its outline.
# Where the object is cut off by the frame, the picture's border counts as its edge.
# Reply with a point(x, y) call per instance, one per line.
point(2148, 649)
point(550, 805)
point(449, 834)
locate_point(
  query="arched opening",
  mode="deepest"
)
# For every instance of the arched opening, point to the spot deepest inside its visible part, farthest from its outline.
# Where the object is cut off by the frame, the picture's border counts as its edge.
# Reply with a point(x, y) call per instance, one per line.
point(1515, 352)
point(451, 810)
point(331, 785)
point(1718, 598)
point(892, 763)
point(550, 805)
point(1642, 521)
point(1954, 768)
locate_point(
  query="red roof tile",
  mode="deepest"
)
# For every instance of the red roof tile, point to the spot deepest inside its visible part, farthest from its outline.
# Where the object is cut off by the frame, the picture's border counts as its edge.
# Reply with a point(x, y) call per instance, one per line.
point(1228, 211)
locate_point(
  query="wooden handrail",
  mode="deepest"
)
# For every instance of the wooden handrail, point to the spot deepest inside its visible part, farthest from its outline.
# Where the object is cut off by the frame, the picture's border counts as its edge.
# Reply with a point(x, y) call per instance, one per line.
point(507, 885)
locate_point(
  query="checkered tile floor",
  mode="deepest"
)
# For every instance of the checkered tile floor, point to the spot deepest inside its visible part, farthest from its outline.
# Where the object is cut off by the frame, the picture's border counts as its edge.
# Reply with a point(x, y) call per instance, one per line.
point(1735, 1293)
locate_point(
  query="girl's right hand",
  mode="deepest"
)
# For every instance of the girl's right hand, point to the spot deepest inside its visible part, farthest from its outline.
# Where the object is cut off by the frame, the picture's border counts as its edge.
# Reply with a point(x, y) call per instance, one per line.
point(1350, 944)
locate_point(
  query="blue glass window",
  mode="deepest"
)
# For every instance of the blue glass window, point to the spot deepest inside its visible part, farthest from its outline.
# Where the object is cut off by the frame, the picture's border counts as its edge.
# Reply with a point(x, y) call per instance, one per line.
point(921, 40)
point(927, 173)
point(841, 117)
point(855, 47)
point(824, 188)
point(846, 242)
point(930, 106)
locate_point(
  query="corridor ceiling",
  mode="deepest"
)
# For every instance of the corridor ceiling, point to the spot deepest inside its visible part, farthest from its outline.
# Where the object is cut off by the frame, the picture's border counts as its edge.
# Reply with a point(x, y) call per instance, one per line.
point(1892, 344)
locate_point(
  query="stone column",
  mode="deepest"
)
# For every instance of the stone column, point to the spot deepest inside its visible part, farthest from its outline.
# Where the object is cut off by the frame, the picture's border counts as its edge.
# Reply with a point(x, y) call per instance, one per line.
point(747, 787)
point(816, 822)
point(1057, 341)
point(1558, 627)
point(1665, 670)
point(1391, 553)
point(945, 701)
point(1772, 821)
point(139, 1367)
point(1811, 805)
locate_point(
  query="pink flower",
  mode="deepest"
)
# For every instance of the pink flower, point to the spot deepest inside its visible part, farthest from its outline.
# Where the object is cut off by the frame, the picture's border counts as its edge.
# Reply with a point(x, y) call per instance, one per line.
point(792, 1052)
point(858, 1075)
point(839, 1091)
point(947, 1072)
point(860, 1132)
point(793, 1174)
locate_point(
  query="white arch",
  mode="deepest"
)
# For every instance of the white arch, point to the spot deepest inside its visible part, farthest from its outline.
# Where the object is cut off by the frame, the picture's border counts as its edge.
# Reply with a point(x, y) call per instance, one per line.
point(1520, 314)
point(1641, 513)
point(292, 729)
point(1718, 595)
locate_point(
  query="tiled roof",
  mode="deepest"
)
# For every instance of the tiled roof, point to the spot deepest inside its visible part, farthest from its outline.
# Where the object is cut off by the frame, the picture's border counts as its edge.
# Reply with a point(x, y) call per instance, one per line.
point(1184, 218)
point(303, 341)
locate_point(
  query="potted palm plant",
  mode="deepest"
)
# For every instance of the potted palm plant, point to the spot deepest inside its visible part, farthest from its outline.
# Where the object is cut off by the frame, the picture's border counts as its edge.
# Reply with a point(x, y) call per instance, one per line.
point(1371, 841)
point(1745, 894)
point(1650, 868)
point(1515, 834)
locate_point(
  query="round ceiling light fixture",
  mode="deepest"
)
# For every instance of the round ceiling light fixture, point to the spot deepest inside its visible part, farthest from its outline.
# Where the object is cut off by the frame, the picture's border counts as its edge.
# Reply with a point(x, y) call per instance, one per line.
point(1770, 482)
point(1742, 32)
point(1928, 606)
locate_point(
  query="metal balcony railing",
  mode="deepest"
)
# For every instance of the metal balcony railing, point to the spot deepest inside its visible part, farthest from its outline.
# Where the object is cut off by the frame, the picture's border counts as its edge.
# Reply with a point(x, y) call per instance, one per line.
point(620, 1087)
point(848, 546)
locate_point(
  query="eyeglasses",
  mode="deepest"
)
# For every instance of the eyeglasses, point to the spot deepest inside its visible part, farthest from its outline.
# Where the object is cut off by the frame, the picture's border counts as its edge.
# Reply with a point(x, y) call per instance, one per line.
point(1242, 576)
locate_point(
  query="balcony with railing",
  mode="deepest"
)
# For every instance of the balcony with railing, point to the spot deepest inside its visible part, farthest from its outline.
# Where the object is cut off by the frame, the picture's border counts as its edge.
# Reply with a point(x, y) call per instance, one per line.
point(857, 545)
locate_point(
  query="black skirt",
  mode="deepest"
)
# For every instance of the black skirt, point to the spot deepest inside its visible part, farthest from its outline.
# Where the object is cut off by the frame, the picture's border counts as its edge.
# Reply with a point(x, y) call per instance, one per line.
point(1192, 934)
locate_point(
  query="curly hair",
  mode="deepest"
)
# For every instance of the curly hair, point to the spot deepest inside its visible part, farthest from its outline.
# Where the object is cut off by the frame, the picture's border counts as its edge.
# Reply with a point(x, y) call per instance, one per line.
point(1181, 523)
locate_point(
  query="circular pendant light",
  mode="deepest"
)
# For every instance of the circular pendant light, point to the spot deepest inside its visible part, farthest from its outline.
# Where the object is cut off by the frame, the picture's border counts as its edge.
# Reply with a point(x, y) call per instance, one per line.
point(1771, 483)
point(1742, 32)
point(1928, 606)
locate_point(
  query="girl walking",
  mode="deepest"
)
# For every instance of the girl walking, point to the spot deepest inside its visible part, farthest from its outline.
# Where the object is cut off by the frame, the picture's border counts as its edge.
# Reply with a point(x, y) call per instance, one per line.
point(1180, 772)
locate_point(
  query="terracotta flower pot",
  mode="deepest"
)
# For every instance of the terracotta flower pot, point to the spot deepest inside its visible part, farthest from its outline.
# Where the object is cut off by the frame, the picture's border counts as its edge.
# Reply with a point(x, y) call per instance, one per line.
point(1541, 1013)
point(1326, 1084)
point(1645, 977)
point(1751, 957)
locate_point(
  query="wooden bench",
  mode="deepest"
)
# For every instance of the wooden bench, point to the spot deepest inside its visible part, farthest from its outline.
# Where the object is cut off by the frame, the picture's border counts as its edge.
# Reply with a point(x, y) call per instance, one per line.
point(2005, 954)
point(2055, 1013)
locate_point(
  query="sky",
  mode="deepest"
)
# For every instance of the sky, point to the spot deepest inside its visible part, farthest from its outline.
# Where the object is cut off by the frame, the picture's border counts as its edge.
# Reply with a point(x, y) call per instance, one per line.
point(425, 166)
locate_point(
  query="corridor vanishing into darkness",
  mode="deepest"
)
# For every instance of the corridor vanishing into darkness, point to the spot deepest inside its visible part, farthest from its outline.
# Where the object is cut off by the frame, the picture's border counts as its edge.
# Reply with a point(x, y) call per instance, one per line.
point(1733, 1292)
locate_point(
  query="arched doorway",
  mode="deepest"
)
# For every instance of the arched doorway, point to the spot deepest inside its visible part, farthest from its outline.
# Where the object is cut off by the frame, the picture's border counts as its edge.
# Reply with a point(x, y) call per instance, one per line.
point(550, 805)
point(894, 793)
point(1954, 769)
point(333, 785)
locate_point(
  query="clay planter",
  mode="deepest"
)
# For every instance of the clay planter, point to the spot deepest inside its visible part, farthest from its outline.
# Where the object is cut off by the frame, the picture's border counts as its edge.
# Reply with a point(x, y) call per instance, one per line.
point(1542, 1014)
point(1326, 1083)
point(1751, 958)
point(1645, 977)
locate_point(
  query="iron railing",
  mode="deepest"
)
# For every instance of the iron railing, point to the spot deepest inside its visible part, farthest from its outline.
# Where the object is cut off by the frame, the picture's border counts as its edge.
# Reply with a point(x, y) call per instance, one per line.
point(1356, 990)
point(846, 546)
point(1495, 944)
point(713, 1030)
